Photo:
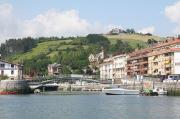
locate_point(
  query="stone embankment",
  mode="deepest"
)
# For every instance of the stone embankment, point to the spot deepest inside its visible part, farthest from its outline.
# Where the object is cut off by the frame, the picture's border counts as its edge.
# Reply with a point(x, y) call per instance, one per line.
point(14, 87)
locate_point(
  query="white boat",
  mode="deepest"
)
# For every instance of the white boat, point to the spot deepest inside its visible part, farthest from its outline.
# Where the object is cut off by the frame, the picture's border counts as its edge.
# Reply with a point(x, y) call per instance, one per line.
point(120, 91)
point(160, 91)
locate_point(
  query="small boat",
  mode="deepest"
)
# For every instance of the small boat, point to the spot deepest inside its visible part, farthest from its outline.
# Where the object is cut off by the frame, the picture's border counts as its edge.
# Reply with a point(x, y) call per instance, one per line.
point(160, 91)
point(50, 87)
point(120, 91)
point(44, 87)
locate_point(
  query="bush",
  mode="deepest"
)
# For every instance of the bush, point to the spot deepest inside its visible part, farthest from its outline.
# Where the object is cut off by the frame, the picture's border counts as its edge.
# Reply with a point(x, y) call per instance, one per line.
point(3, 77)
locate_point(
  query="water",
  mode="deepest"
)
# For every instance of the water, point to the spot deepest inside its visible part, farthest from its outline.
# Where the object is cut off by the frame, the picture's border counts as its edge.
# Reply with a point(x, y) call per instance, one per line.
point(88, 107)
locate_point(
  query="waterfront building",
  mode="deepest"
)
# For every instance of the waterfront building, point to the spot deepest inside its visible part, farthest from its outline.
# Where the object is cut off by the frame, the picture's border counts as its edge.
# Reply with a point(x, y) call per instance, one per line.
point(106, 69)
point(119, 66)
point(161, 59)
point(11, 70)
point(113, 67)
point(137, 62)
point(164, 58)
point(54, 69)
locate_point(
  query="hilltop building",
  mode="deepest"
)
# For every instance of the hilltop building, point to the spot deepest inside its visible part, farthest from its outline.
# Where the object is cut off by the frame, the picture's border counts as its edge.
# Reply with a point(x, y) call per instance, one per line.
point(11, 70)
point(116, 31)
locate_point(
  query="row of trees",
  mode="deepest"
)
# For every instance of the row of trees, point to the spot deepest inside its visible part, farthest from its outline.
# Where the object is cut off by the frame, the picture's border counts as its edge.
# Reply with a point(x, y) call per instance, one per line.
point(13, 46)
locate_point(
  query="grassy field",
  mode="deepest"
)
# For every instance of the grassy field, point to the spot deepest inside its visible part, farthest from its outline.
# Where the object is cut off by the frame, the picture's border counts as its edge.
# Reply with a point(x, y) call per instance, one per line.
point(51, 48)
point(133, 39)
point(43, 47)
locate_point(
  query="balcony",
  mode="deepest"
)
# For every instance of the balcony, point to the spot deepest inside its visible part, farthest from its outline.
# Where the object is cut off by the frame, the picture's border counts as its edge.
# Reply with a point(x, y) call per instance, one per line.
point(129, 70)
point(144, 62)
point(129, 65)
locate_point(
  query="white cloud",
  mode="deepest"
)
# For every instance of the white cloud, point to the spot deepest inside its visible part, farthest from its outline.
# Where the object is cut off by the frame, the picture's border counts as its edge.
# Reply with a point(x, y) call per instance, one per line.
point(54, 23)
point(9, 25)
point(149, 29)
point(49, 23)
point(173, 13)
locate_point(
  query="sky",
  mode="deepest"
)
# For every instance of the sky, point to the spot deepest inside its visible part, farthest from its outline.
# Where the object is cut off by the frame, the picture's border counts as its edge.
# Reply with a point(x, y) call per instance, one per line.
point(36, 18)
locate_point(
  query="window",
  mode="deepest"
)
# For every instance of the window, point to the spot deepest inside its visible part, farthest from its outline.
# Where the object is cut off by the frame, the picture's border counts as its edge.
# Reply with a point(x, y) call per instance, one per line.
point(2, 72)
point(12, 72)
point(12, 65)
point(2, 65)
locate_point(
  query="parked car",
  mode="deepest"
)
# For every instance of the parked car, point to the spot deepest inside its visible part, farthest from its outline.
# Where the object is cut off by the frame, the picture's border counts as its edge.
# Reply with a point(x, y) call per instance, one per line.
point(173, 77)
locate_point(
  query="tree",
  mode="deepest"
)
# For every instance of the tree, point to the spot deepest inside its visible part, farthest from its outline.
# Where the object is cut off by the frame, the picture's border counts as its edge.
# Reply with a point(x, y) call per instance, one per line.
point(139, 46)
point(179, 36)
point(151, 41)
point(98, 40)
point(131, 31)
point(121, 47)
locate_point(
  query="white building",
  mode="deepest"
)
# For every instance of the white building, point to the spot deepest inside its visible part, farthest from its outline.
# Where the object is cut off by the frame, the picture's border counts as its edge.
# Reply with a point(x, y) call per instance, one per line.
point(176, 63)
point(11, 70)
point(114, 67)
point(119, 66)
point(106, 69)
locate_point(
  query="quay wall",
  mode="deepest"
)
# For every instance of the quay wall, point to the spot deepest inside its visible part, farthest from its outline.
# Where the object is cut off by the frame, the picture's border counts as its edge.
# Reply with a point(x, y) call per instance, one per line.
point(14, 86)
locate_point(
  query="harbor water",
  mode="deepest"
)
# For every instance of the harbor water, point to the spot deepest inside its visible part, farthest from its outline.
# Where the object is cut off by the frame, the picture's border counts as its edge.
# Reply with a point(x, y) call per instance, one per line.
point(96, 106)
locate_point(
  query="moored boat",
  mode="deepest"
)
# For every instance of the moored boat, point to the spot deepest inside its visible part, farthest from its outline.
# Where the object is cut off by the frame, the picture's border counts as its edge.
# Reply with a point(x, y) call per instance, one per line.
point(120, 91)
point(160, 91)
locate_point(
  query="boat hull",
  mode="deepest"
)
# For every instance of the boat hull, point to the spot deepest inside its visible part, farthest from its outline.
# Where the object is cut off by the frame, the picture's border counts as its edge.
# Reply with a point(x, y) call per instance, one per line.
point(119, 91)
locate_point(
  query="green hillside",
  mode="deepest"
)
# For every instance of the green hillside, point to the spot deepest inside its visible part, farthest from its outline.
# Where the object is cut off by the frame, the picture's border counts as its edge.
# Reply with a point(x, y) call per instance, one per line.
point(133, 39)
point(71, 52)
point(49, 48)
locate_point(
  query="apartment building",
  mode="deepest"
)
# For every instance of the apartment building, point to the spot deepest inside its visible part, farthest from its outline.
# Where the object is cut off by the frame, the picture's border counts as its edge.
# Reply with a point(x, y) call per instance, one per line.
point(164, 58)
point(119, 66)
point(113, 67)
point(106, 69)
point(161, 59)
point(137, 62)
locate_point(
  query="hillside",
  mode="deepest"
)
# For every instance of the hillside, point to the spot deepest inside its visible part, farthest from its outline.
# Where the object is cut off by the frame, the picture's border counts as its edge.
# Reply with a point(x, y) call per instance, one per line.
point(133, 39)
point(47, 47)
point(51, 48)
point(71, 52)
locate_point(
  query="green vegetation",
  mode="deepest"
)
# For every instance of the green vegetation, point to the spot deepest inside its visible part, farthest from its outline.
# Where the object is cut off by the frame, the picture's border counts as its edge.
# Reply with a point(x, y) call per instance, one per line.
point(72, 52)
point(132, 39)
point(3, 77)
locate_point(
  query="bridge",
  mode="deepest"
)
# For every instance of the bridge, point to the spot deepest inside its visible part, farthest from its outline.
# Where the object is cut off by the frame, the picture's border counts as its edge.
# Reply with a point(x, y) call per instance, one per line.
point(41, 82)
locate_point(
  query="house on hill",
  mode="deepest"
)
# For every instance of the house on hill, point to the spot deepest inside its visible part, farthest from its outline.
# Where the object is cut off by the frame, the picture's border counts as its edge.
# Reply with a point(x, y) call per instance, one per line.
point(95, 60)
point(54, 69)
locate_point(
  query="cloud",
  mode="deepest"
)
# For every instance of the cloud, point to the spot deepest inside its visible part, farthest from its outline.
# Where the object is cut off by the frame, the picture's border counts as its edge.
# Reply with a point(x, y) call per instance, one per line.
point(49, 23)
point(173, 14)
point(54, 23)
point(149, 29)
point(9, 25)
